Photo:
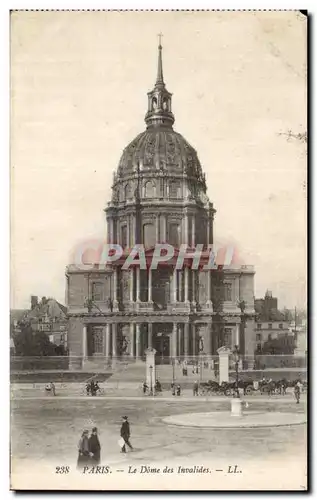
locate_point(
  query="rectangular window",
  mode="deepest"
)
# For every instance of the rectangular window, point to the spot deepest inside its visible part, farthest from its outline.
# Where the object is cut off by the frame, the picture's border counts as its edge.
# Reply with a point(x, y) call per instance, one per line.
point(97, 340)
point(97, 292)
point(228, 292)
point(270, 326)
point(174, 234)
point(280, 326)
point(258, 336)
point(259, 326)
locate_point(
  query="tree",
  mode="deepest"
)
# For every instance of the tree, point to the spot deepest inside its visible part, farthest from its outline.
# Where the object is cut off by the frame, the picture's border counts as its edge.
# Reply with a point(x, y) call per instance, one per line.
point(30, 343)
point(282, 345)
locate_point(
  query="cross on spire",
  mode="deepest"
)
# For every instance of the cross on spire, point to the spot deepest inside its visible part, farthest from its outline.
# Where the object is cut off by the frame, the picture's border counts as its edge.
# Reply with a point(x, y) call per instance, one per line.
point(160, 39)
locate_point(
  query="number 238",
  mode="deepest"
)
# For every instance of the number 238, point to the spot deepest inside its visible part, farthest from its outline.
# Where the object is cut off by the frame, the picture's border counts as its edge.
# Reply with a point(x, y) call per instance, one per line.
point(63, 469)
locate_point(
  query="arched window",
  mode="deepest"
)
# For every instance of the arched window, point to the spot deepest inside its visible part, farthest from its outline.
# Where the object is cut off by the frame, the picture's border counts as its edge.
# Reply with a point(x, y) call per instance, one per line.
point(127, 191)
point(149, 235)
point(154, 103)
point(149, 189)
point(165, 104)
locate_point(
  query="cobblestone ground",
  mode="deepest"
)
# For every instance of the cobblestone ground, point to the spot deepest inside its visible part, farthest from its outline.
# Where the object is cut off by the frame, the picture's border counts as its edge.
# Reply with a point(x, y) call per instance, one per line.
point(51, 428)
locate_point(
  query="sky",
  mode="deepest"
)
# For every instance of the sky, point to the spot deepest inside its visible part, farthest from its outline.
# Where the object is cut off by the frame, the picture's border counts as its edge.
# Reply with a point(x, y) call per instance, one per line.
point(78, 96)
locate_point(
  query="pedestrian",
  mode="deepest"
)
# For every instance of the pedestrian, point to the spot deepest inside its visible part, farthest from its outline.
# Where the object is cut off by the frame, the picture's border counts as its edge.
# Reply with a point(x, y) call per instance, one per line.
point(173, 389)
point(297, 393)
point(178, 390)
point(195, 388)
point(144, 387)
point(83, 450)
point(125, 434)
point(94, 446)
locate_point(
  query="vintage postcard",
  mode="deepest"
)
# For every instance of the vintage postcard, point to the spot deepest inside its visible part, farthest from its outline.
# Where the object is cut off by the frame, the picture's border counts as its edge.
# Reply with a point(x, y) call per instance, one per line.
point(158, 326)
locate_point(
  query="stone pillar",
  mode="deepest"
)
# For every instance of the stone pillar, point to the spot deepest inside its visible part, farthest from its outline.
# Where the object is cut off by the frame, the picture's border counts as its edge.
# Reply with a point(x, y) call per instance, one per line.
point(137, 340)
point(131, 284)
point(114, 339)
point(186, 286)
point(193, 231)
point(115, 289)
point(150, 369)
point(138, 284)
point(237, 335)
point(164, 235)
point(149, 285)
point(174, 340)
point(84, 341)
point(128, 231)
point(132, 339)
point(107, 340)
point(110, 226)
point(174, 287)
point(179, 339)
point(224, 353)
point(186, 339)
point(149, 335)
point(186, 229)
point(157, 228)
point(209, 303)
point(194, 340)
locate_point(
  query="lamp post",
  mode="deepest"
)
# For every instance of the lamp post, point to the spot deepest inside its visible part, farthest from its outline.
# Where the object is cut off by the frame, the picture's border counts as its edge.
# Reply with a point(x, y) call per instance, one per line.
point(236, 403)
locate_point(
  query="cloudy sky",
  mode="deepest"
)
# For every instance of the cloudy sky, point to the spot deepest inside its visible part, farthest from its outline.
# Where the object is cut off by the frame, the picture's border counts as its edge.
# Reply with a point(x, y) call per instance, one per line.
point(78, 85)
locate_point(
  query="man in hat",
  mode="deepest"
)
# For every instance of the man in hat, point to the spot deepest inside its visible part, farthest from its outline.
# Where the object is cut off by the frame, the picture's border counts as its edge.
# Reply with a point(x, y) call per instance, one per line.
point(125, 434)
point(94, 446)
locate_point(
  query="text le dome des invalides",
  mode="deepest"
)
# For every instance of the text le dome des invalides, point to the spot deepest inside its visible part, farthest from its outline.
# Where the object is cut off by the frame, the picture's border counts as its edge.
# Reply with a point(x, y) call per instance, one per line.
point(158, 196)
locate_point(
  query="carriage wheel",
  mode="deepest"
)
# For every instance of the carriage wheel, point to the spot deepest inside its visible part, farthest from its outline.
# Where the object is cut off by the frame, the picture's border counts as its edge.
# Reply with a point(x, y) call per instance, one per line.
point(228, 392)
point(249, 390)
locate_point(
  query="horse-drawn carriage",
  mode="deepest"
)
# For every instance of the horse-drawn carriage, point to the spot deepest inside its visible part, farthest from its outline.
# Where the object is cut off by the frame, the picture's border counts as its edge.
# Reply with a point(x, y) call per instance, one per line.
point(249, 387)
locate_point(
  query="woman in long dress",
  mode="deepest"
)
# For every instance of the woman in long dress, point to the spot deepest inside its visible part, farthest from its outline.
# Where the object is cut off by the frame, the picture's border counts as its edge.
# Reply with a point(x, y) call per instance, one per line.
point(83, 450)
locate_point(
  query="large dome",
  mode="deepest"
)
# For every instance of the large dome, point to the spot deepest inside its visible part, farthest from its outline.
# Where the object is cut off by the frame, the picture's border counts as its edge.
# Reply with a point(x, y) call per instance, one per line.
point(163, 150)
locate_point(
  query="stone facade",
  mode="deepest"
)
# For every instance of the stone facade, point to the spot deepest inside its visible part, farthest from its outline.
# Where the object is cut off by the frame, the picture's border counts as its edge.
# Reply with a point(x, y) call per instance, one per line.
point(159, 195)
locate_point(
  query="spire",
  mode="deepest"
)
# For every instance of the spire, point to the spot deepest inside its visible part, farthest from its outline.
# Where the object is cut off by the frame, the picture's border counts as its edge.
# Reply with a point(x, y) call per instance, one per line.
point(159, 79)
point(159, 99)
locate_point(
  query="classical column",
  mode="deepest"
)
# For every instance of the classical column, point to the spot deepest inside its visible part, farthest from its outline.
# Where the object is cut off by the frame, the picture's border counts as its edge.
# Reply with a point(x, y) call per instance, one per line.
point(174, 286)
point(186, 339)
point(138, 340)
point(114, 339)
point(128, 231)
point(149, 285)
point(115, 289)
point(174, 340)
point(179, 339)
point(194, 291)
point(149, 335)
point(110, 227)
point(157, 228)
point(164, 235)
point(132, 339)
point(186, 229)
point(84, 340)
point(237, 335)
point(209, 303)
point(138, 284)
point(107, 340)
point(193, 231)
point(186, 271)
point(194, 339)
point(131, 283)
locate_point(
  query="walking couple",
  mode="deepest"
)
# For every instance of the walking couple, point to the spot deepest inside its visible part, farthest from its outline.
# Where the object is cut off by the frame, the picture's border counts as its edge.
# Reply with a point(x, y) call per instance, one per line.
point(89, 449)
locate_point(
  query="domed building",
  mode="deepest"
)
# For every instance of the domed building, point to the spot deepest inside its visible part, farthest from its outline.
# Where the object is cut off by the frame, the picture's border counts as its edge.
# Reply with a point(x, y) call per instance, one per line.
point(159, 195)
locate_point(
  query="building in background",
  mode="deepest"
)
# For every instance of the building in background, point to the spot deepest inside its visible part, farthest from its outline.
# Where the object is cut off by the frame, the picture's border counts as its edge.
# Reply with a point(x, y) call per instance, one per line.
point(46, 315)
point(159, 196)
